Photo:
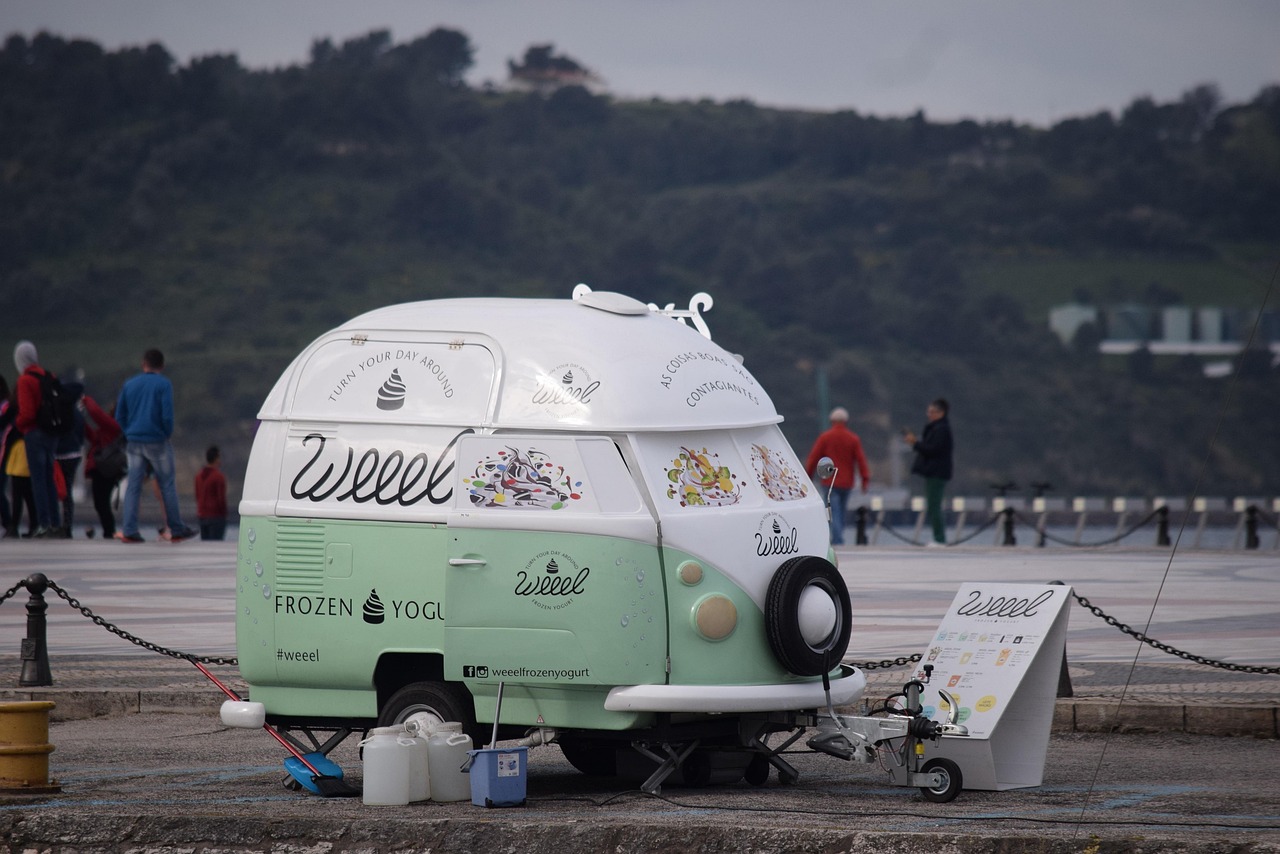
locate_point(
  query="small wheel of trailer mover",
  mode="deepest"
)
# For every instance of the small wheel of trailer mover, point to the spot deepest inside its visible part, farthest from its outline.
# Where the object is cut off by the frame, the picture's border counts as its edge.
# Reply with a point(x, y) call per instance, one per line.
point(948, 786)
point(443, 700)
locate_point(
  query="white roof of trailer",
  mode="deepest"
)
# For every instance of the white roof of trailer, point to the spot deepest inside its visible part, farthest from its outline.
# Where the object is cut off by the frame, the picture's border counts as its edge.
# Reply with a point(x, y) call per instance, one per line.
point(601, 361)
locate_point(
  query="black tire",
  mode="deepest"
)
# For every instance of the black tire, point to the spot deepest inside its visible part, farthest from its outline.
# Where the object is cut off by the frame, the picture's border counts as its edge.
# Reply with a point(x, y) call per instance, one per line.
point(952, 781)
point(782, 616)
point(757, 773)
point(445, 700)
point(591, 757)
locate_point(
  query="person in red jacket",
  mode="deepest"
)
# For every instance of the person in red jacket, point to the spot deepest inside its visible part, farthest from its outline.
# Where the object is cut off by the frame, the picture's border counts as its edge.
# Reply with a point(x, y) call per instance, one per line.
point(40, 445)
point(844, 448)
point(211, 497)
point(103, 470)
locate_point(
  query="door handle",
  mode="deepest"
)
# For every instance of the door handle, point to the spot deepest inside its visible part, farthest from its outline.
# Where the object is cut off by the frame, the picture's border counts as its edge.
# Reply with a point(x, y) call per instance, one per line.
point(467, 561)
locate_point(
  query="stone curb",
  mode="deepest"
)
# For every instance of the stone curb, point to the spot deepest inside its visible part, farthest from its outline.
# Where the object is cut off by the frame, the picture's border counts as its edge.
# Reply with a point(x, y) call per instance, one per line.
point(151, 835)
point(1070, 715)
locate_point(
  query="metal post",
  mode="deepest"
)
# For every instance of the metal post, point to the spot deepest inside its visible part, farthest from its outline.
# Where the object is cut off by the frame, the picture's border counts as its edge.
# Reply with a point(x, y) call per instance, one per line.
point(1009, 539)
point(35, 651)
point(860, 537)
point(1162, 526)
point(1251, 527)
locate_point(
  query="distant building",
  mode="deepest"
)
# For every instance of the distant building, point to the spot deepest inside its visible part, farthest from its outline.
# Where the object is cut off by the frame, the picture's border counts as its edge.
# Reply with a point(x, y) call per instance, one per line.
point(1066, 320)
point(542, 71)
point(1170, 330)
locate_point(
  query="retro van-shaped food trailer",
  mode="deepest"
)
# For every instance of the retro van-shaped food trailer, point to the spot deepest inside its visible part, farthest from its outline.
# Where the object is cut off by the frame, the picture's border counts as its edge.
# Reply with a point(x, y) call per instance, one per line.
point(585, 501)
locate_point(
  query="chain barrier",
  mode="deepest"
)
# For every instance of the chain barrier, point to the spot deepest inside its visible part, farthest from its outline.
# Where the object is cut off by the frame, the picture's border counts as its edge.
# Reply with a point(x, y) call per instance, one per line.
point(1164, 647)
point(116, 630)
point(886, 663)
point(1109, 541)
point(889, 662)
point(1033, 525)
point(8, 594)
point(1111, 621)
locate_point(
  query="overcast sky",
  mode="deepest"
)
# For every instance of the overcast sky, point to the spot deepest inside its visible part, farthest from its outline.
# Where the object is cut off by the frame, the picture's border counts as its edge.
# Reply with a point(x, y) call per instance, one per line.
point(1034, 61)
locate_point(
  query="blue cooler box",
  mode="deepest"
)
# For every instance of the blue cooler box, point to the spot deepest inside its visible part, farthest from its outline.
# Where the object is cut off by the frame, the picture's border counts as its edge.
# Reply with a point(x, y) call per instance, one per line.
point(498, 776)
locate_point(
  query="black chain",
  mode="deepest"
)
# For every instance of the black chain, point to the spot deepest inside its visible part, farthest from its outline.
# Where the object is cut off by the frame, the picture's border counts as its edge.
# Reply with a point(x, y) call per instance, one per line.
point(1033, 525)
point(1117, 538)
point(1164, 647)
point(12, 590)
point(900, 661)
point(1111, 621)
point(133, 639)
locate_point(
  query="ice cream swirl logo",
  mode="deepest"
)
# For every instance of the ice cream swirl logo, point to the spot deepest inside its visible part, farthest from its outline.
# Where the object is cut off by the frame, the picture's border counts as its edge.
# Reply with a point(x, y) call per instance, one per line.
point(566, 387)
point(391, 393)
point(555, 584)
point(374, 611)
point(776, 536)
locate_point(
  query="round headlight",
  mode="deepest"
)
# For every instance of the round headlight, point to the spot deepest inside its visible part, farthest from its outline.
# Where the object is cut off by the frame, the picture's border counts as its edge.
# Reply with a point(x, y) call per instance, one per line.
point(690, 572)
point(715, 617)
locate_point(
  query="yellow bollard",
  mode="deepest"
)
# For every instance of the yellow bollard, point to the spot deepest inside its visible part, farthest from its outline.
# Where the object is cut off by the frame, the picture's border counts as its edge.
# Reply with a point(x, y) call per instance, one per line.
point(25, 748)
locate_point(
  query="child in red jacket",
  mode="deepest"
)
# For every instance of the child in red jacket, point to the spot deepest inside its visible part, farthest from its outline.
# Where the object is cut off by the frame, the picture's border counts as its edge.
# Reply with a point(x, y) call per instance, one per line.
point(211, 497)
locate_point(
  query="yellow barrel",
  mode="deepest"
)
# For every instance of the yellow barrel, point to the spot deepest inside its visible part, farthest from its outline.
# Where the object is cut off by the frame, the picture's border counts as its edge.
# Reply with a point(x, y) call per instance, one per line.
point(24, 746)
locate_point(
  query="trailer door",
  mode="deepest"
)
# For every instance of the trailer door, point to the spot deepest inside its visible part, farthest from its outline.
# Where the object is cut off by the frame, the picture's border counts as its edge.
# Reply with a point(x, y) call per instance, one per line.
point(554, 573)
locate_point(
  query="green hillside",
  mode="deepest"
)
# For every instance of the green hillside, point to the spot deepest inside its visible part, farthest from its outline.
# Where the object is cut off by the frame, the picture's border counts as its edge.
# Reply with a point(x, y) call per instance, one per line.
point(229, 216)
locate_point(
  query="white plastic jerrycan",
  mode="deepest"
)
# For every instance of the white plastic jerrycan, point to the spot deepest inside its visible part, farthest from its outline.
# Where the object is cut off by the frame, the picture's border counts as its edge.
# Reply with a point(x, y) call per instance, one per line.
point(419, 767)
point(448, 752)
point(388, 761)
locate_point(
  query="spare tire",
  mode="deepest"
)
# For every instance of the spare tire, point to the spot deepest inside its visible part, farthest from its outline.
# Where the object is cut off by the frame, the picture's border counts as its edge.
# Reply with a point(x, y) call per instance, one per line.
point(807, 615)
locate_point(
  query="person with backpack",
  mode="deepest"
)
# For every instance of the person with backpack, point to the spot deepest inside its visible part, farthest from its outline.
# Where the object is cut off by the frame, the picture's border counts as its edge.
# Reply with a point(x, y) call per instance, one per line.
point(41, 442)
point(145, 414)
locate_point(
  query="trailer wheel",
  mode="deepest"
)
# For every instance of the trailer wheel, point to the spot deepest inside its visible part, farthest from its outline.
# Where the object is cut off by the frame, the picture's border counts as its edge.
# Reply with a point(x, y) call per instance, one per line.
point(443, 700)
point(948, 787)
point(802, 588)
point(591, 757)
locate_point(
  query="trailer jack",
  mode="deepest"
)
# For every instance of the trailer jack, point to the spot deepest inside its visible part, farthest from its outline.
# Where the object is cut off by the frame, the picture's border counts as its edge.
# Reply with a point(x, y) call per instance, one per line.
point(898, 737)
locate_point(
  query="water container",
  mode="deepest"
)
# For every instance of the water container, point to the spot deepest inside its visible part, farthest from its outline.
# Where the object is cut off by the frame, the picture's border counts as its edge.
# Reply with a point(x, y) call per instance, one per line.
point(388, 757)
point(419, 773)
point(448, 750)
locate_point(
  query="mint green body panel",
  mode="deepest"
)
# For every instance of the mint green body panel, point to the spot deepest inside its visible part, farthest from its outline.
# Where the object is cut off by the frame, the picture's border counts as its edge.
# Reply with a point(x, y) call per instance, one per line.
point(555, 608)
point(743, 658)
point(320, 601)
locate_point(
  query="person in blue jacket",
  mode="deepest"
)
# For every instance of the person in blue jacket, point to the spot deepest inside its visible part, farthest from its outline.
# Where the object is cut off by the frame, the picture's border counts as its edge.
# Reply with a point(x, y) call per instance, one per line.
point(145, 414)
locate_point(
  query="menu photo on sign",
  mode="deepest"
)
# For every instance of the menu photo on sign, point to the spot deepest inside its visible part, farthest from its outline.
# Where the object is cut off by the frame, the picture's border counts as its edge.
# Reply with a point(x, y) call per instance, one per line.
point(986, 646)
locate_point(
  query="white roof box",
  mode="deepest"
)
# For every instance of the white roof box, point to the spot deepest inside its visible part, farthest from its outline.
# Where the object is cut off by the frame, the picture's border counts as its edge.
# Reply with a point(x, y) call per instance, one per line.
point(601, 362)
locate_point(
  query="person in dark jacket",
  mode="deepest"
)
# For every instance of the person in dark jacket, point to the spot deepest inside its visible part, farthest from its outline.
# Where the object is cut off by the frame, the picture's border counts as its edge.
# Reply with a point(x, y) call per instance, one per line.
point(933, 462)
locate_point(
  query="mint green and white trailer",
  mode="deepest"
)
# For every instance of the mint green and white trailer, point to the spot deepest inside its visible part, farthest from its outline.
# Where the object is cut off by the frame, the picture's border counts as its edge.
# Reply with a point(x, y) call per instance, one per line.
point(585, 501)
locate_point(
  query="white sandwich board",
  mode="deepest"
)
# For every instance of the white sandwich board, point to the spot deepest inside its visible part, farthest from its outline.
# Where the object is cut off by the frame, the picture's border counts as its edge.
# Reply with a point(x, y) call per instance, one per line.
point(998, 652)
